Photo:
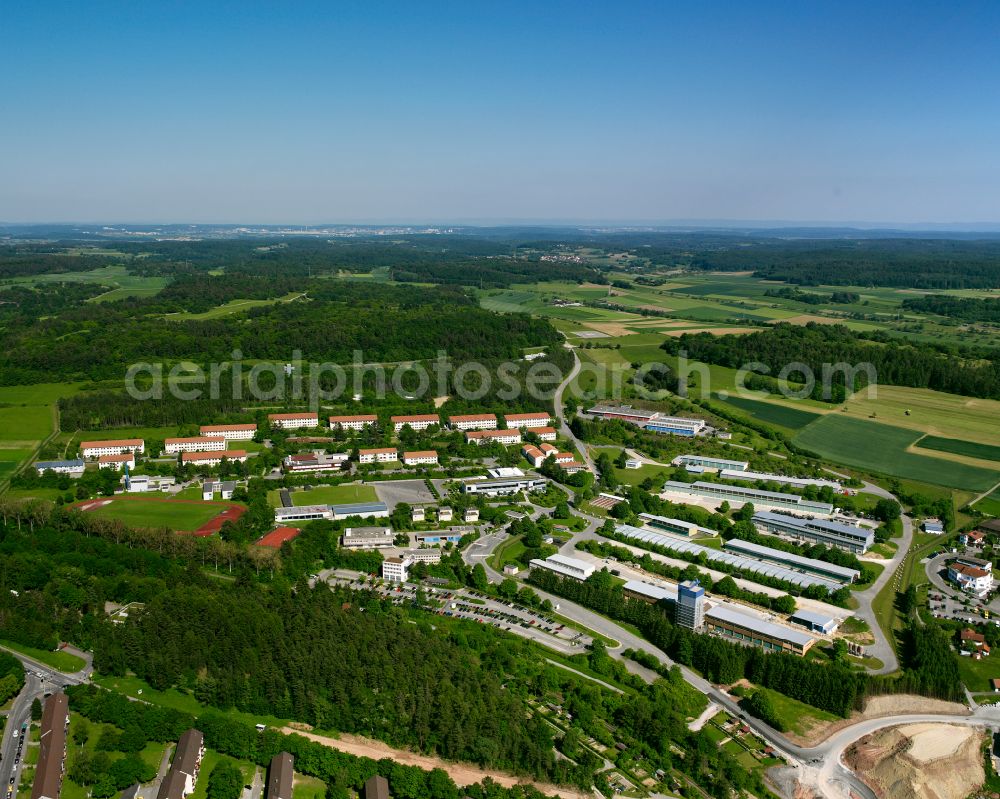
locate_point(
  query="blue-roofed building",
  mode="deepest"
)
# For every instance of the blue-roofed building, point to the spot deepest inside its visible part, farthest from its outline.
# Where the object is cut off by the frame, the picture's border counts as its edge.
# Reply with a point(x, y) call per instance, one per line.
point(73, 468)
point(364, 509)
point(437, 537)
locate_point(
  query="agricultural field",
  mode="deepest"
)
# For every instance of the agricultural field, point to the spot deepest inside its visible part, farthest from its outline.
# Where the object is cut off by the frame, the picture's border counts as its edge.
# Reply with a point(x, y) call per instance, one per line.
point(883, 448)
point(119, 282)
point(772, 413)
point(990, 504)
point(335, 495)
point(27, 418)
point(231, 307)
point(955, 446)
point(155, 512)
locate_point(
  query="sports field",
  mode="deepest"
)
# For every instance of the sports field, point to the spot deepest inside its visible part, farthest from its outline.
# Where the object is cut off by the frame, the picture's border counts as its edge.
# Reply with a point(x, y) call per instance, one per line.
point(335, 495)
point(137, 511)
point(882, 448)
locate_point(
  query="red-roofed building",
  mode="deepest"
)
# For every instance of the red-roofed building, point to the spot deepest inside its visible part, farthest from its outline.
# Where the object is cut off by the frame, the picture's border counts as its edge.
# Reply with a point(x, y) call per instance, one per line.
point(213, 458)
point(292, 421)
point(230, 432)
point(544, 433)
point(420, 421)
point(379, 455)
point(533, 454)
point(195, 444)
point(529, 420)
point(473, 421)
point(481, 437)
point(420, 457)
point(278, 536)
point(355, 422)
point(117, 446)
point(116, 461)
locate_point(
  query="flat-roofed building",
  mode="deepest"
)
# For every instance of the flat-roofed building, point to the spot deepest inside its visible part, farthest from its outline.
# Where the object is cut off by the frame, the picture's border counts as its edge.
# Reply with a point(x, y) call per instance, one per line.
point(51, 748)
point(74, 468)
point(648, 592)
point(820, 531)
point(765, 477)
point(422, 555)
point(117, 446)
point(396, 569)
point(711, 462)
point(418, 421)
point(625, 413)
point(418, 513)
point(194, 444)
point(378, 455)
point(793, 560)
point(675, 425)
point(420, 458)
point(753, 630)
point(280, 776)
point(529, 421)
point(565, 566)
point(367, 538)
point(318, 461)
point(445, 513)
point(690, 609)
point(377, 510)
point(471, 515)
point(473, 421)
point(731, 493)
point(676, 526)
point(815, 622)
point(500, 486)
point(505, 437)
point(302, 513)
point(230, 432)
point(433, 538)
point(213, 458)
point(116, 462)
point(545, 433)
point(183, 773)
point(293, 421)
point(353, 422)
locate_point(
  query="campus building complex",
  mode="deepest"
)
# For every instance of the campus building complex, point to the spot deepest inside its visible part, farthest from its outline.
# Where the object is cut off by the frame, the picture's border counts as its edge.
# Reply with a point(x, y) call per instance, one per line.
point(653, 421)
point(379, 455)
point(499, 486)
point(74, 468)
point(793, 561)
point(740, 495)
point(690, 608)
point(366, 538)
point(676, 526)
point(481, 437)
point(816, 531)
point(764, 477)
point(473, 421)
point(213, 458)
point(709, 462)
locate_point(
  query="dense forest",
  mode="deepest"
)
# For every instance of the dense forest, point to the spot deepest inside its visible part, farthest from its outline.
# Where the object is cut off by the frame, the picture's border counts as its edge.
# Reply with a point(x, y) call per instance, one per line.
point(895, 362)
point(964, 309)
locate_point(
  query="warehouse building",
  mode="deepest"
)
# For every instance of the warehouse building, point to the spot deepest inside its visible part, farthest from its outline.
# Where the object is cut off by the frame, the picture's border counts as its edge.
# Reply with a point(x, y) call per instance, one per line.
point(213, 458)
point(505, 437)
point(378, 455)
point(821, 531)
point(473, 421)
point(731, 493)
point(230, 432)
point(51, 748)
point(293, 421)
point(710, 462)
point(726, 561)
point(366, 538)
point(280, 776)
point(501, 486)
point(118, 446)
point(675, 425)
point(676, 526)
point(764, 477)
point(420, 421)
point(815, 622)
point(755, 631)
point(302, 513)
point(355, 422)
point(74, 468)
point(520, 421)
point(183, 773)
point(378, 510)
point(792, 560)
point(195, 444)
point(565, 566)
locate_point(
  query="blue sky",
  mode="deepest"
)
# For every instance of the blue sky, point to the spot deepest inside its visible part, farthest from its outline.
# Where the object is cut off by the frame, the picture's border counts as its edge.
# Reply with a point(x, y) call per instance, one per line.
point(436, 111)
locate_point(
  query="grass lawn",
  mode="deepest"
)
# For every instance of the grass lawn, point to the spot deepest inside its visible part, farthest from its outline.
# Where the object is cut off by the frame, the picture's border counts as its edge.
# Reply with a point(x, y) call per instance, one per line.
point(142, 512)
point(210, 761)
point(976, 674)
point(306, 787)
point(63, 661)
point(37, 394)
point(882, 448)
point(797, 716)
point(335, 495)
point(509, 551)
point(990, 505)
point(971, 449)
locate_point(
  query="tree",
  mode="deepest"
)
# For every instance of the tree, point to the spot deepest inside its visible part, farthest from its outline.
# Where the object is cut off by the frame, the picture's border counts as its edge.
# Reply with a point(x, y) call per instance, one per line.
point(36, 710)
point(887, 510)
point(225, 781)
point(477, 577)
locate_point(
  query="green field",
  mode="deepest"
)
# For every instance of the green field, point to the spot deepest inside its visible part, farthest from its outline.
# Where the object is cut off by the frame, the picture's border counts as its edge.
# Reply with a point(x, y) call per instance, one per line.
point(976, 674)
point(990, 504)
point(971, 449)
point(63, 661)
point(772, 413)
point(157, 512)
point(882, 448)
point(306, 787)
point(335, 495)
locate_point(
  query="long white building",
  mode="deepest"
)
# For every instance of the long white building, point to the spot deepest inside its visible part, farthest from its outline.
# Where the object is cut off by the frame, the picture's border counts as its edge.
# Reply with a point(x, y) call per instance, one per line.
point(565, 566)
point(378, 455)
point(200, 444)
point(419, 421)
point(530, 421)
point(293, 421)
point(473, 421)
point(230, 432)
point(118, 446)
point(355, 422)
point(213, 458)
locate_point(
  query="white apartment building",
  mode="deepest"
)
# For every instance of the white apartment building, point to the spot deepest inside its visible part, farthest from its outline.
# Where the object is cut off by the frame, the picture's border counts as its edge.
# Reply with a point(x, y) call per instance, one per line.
point(473, 421)
point(200, 444)
point(119, 446)
point(356, 422)
point(117, 462)
point(213, 458)
point(505, 437)
point(562, 457)
point(420, 421)
point(396, 570)
point(380, 455)
point(420, 457)
point(533, 455)
point(230, 432)
point(516, 421)
point(545, 433)
point(293, 421)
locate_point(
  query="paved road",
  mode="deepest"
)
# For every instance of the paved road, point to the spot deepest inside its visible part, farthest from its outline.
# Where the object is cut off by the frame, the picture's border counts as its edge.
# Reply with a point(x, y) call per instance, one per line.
point(557, 401)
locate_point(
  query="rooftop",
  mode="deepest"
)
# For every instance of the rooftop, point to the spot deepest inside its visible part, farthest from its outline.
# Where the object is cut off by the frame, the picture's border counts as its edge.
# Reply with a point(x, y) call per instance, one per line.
point(755, 623)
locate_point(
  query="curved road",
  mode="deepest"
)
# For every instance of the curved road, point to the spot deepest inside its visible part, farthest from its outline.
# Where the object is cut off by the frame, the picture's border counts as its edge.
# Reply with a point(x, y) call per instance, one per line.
point(557, 401)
